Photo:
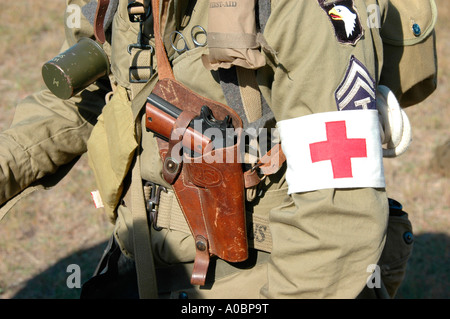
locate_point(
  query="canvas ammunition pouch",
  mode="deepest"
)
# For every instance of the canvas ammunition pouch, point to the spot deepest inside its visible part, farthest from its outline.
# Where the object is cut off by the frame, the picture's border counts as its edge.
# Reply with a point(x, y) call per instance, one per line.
point(398, 248)
point(410, 62)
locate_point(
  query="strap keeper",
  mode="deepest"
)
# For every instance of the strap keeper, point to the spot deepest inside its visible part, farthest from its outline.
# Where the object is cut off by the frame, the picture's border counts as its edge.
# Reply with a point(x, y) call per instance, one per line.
point(251, 177)
point(201, 262)
point(269, 164)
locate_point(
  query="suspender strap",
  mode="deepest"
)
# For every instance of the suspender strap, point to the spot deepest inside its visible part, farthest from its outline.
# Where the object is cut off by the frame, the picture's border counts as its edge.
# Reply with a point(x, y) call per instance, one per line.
point(143, 255)
point(145, 267)
point(251, 97)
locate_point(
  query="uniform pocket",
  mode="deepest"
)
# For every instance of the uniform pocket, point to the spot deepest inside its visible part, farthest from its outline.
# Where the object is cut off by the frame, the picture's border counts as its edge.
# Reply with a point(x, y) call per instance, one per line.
point(397, 250)
point(111, 148)
point(409, 40)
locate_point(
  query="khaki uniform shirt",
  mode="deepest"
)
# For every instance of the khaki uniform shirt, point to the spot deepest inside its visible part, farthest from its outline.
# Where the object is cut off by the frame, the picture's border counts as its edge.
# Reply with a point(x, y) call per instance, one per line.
point(322, 241)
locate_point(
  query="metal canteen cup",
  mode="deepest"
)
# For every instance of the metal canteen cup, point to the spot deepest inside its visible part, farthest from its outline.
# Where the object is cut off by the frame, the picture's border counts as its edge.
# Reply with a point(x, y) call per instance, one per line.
point(76, 68)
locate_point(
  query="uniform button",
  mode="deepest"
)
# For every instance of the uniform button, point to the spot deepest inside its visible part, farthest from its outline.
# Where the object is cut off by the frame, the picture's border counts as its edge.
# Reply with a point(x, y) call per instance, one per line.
point(416, 30)
point(408, 237)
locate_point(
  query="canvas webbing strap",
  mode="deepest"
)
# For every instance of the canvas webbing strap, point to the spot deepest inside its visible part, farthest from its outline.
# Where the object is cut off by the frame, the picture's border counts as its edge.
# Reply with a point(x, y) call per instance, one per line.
point(138, 10)
point(143, 254)
point(141, 69)
point(250, 94)
point(170, 216)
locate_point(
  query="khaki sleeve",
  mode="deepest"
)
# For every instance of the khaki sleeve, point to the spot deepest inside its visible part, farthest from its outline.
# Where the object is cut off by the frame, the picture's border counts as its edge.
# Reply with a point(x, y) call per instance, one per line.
point(46, 133)
point(324, 240)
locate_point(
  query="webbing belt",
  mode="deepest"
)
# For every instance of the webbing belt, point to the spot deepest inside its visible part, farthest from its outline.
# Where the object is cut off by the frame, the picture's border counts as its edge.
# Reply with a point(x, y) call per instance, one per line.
point(170, 216)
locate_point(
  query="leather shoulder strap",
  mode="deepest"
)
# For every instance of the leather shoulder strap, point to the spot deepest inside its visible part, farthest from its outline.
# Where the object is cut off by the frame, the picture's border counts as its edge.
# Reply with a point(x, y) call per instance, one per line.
point(100, 14)
point(164, 68)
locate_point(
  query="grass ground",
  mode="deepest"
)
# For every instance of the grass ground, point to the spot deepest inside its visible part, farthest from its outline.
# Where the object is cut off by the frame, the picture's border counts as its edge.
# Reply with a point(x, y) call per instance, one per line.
point(48, 231)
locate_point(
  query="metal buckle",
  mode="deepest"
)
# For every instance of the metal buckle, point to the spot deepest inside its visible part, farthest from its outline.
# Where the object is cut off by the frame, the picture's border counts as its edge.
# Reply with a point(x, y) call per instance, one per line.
point(139, 45)
point(138, 17)
point(130, 72)
point(153, 203)
point(256, 166)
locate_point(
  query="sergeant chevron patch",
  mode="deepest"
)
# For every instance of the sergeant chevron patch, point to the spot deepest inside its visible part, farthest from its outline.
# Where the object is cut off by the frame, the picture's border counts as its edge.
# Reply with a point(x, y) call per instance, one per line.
point(345, 19)
point(357, 90)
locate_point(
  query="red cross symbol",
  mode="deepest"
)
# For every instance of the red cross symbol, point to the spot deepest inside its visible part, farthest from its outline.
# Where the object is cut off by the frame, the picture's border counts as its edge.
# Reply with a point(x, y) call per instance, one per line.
point(338, 149)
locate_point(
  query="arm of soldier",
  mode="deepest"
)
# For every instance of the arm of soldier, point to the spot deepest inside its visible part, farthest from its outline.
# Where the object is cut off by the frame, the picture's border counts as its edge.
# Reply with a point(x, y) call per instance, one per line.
point(324, 239)
point(45, 134)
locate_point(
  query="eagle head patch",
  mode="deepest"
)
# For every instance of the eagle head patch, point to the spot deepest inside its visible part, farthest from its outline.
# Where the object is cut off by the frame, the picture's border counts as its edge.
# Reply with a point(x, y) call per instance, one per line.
point(345, 19)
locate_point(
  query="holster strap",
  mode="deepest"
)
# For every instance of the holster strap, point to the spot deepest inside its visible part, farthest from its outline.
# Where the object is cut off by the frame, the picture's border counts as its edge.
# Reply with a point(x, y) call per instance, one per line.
point(99, 21)
point(269, 164)
point(174, 156)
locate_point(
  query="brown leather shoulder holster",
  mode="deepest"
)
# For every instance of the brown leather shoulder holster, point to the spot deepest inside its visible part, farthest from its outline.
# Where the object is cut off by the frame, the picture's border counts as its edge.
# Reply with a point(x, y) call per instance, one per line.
point(209, 189)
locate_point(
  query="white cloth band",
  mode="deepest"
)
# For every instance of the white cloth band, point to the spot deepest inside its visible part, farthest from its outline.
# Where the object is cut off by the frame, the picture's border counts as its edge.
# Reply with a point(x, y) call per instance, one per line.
point(333, 150)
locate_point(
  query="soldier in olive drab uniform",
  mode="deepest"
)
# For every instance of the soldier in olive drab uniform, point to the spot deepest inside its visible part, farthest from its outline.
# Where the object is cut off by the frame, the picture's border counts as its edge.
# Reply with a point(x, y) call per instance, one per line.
point(319, 224)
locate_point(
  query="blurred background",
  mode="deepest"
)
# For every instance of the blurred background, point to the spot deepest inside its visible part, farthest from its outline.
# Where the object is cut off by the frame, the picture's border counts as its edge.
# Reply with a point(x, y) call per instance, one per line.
point(48, 231)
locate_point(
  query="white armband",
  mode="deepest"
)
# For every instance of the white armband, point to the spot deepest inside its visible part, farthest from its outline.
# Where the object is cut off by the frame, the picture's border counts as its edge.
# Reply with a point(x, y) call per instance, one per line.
point(333, 150)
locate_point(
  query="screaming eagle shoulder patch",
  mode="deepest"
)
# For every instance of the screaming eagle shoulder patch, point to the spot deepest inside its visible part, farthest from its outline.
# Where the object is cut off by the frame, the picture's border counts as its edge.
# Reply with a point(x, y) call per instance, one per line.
point(345, 19)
